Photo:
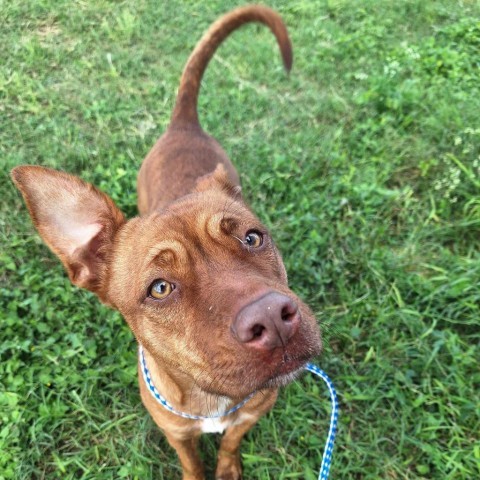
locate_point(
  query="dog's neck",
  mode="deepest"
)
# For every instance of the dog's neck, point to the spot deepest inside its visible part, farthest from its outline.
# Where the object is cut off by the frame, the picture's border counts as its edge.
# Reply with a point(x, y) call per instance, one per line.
point(182, 392)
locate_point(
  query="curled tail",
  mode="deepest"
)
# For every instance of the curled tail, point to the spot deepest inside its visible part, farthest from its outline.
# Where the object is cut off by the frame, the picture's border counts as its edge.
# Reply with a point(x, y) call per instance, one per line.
point(185, 110)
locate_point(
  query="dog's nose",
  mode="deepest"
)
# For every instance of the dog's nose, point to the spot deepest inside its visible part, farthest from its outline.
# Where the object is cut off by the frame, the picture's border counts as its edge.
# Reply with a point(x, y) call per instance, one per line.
point(267, 322)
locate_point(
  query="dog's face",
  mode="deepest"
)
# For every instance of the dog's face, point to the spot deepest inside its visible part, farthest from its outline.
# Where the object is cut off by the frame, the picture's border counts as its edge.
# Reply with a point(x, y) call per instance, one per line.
point(182, 276)
point(195, 282)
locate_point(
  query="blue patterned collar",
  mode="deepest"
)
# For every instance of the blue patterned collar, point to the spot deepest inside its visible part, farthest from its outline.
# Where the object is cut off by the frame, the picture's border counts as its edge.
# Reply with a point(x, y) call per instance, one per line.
point(164, 403)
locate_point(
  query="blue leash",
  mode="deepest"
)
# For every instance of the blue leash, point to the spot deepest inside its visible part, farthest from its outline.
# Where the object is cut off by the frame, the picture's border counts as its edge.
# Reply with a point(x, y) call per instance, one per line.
point(327, 454)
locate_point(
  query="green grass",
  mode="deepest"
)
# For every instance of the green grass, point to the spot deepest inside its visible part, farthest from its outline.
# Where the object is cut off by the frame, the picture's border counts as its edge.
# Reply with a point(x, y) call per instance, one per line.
point(364, 163)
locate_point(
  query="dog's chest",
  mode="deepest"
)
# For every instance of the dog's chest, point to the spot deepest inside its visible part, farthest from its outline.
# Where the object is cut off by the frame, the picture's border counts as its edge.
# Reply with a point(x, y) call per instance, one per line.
point(219, 425)
point(214, 425)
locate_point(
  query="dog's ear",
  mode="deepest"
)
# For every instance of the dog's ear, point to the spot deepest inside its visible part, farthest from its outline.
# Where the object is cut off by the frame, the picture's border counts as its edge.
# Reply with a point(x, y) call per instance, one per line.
point(77, 221)
point(218, 179)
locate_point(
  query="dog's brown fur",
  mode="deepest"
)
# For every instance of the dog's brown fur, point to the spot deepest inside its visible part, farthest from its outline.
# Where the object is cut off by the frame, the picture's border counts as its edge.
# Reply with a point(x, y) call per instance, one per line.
point(191, 232)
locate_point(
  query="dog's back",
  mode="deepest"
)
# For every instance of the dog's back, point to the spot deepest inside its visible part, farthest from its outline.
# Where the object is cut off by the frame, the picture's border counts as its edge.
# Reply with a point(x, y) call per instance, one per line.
point(185, 152)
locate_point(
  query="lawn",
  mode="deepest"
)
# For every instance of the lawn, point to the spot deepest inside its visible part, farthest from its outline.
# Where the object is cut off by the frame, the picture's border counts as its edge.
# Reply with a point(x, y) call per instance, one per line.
point(365, 164)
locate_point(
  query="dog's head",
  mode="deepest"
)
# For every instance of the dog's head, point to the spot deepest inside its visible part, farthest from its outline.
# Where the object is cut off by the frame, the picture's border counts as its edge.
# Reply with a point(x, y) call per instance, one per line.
point(200, 283)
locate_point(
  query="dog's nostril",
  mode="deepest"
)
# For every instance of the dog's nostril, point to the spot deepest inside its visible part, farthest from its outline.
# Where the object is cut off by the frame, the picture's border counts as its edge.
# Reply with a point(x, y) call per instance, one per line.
point(257, 330)
point(288, 312)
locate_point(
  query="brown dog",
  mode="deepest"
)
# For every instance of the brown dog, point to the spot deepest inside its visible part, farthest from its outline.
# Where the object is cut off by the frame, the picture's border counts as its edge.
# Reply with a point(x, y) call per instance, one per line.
point(197, 277)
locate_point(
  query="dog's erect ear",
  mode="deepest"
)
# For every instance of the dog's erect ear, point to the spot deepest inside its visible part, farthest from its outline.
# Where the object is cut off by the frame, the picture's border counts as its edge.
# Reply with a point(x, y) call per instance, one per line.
point(77, 221)
point(218, 179)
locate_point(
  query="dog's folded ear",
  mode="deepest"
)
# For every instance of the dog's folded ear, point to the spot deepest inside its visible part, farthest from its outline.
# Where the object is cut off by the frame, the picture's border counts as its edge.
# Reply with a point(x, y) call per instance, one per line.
point(218, 179)
point(77, 221)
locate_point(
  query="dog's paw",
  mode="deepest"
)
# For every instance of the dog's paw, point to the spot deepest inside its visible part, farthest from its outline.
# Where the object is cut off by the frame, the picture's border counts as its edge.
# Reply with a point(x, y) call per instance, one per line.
point(230, 476)
point(187, 476)
point(228, 467)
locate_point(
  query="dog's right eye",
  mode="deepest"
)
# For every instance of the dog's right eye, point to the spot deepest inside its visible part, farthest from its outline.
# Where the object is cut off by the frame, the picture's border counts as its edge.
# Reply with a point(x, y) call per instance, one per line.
point(161, 289)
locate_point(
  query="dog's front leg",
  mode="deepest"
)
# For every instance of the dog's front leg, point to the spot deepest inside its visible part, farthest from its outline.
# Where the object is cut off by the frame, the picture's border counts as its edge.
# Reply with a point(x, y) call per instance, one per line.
point(187, 452)
point(228, 464)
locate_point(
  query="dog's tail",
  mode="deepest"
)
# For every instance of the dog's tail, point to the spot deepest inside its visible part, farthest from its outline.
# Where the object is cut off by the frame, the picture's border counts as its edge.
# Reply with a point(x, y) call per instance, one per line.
point(185, 110)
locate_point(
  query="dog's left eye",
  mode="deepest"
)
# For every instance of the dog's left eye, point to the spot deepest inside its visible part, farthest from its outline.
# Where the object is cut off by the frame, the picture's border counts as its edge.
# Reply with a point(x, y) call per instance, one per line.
point(254, 239)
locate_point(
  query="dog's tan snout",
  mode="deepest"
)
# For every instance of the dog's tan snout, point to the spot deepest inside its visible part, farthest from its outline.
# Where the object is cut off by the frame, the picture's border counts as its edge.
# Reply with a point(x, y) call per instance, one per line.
point(268, 322)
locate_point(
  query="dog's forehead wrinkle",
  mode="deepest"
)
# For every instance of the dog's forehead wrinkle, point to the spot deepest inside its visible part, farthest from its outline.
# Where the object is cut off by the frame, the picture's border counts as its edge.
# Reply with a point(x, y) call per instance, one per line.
point(166, 251)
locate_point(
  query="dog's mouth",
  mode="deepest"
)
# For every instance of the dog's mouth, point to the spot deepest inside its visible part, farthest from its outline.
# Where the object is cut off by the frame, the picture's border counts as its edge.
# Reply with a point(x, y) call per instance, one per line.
point(241, 382)
point(283, 380)
point(288, 370)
